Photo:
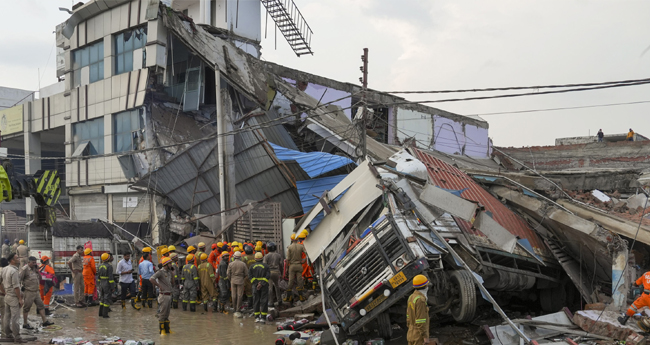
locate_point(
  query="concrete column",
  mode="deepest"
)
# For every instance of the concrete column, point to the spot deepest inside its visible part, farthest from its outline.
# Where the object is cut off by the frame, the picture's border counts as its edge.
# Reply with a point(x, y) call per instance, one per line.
point(32, 149)
point(620, 283)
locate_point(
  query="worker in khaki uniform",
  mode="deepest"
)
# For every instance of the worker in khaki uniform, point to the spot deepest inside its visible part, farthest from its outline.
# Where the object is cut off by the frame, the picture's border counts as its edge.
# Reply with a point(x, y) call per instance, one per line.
point(197, 255)
point(89, 272)
point(13, 300)
point(6, 249)
point(237, 274)
point(176, 279)
point(294, 255)
point(642, 301)
point(274, 261)
point(163, 280)
point(191, 283)
point(417, 312)
point(23, 252)
point(106, 284)
point(208, 281)
point(12, 250)
point(29, 277)
point(76, 266)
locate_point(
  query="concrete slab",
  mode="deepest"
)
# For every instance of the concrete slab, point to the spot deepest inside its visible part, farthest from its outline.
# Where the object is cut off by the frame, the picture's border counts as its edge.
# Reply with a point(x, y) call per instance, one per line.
point(605, 323)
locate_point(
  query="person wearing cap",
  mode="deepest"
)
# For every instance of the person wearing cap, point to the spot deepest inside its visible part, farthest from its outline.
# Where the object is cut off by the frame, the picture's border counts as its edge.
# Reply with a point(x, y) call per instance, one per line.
point(171, 249)
point(237, 274)
point(224, 282)
point(163, 280)
point(191, 283)
point(127, 285)
point(417, 312)
point(249, 259)
point(295, 257)
point(176, 279)
point(47, 283)
point(144, 250)
point(13, 299)
point(215, 254)
point(197, 255)
point(3, 263)
point(145, 269)
point(89, 272)
point(275, 262)
point(23, 252)
point(29, 278)
point(76, 266)
point(106, 284)
point(6, 249)
point(165, 253)
point(208, 282)
point(307, 269)
point(260, 274)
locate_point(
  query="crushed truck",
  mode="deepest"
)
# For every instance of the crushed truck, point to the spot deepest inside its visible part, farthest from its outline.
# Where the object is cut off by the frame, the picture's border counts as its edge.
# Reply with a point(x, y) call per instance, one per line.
point(386, 222)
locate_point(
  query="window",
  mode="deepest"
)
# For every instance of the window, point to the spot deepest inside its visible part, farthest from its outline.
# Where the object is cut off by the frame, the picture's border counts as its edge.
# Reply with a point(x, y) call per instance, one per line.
point(127, 133)
point(125, 44)
point(92, 56)
point(91, 132)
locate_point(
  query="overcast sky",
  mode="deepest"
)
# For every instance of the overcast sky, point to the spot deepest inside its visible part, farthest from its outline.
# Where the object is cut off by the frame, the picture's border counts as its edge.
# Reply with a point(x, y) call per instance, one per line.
point(435, 45)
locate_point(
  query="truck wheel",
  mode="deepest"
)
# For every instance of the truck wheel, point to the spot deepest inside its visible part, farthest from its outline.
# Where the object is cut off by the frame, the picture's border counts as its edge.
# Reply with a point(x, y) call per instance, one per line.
point(552, 300)
point(385, 327)
point(463, 308)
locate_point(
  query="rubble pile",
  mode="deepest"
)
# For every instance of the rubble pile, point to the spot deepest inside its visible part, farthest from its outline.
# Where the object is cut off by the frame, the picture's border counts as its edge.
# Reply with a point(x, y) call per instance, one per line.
point(630, 208)
point(105, 341)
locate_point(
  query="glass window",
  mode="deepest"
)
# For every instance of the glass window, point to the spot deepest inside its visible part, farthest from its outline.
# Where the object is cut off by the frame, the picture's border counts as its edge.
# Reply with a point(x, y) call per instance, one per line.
point(92, 132)
point(90, 55)
point(125, 44)
point(127, 132)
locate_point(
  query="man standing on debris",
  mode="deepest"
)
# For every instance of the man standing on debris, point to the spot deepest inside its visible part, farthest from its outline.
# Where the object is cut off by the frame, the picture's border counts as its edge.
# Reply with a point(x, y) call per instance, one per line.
point(127, 286)
point(294, 255)
point(224, 283)
point(29, 278)
point(190, 283)
point(206, 276)
point(600, 135)
point(274, 261)
point(630, 135)
point(163, 280)
point(417, 312)
point(23, 252)
point(260, 275)
point(145, 269)
point(642, 301)
point(47, 283)
point(76, 266)
point(176, 279)
point(89, 272)
point(237, 274)
point(106, 284)
point(6, 249)
point(13, 300)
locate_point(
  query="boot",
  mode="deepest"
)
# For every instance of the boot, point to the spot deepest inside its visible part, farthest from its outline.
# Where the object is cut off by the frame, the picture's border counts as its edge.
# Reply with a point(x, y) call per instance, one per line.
point(47, 312)
point(288, 296)
point(623, 319)
point(149, 303)
point(123, 304)
point(162, 327)
point(105, 313)
point(135, 306)
point(184, 306)
point(205, 306)
point(167, 329)
point(101, 310)
point(175, 304)
point(300, 296)
point(192, 307)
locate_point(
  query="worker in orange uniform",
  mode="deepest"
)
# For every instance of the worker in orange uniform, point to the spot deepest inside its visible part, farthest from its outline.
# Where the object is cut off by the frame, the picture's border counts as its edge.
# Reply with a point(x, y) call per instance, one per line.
point(89, 273)
point(417, 312)
point(307, 269)
point(642, 301)
point(213, 258)
point(47, 283)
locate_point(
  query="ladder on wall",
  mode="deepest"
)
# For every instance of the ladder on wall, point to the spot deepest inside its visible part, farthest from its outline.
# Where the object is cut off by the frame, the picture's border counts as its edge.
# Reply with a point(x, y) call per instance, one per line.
point(291, 23)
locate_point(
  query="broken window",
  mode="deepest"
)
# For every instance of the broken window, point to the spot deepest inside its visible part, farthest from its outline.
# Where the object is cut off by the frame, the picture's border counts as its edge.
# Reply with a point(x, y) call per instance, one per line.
point(129, 45)
point(127, 130)
point(91, 56)
point(91, 132)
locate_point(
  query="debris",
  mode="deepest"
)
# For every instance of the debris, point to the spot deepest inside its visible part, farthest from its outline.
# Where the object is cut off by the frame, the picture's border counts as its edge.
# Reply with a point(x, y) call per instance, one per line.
point(600, 195)
point(308, 317)
point(604, 323)
point(312, 305)
point(595, 306)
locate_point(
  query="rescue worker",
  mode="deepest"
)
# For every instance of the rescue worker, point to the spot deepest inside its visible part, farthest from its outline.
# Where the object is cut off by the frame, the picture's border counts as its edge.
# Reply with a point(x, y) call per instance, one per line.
point(642, 301)
point(106, 284)
point(236, 250)
point(14, 246)
point(6, 249)
point(165, 253)
point(206, 276)
point(237, 274)
point(307, 270)
point(197, 255)
point(145, 269)
point(23, 252)
point(47, 282)
point(13, 299)
point(224, 282)
point(190, 283)
point(163, 280)
point(249, 260)
point(260, 275)
point(76, 266)
point(274, 261)
point(171, 249)
point(139, 296)
point(215, 254)
point(294, 255)
point(89, 272)
point(191, 250)
point(176, 279)
point(29, 278)
point(417, 312)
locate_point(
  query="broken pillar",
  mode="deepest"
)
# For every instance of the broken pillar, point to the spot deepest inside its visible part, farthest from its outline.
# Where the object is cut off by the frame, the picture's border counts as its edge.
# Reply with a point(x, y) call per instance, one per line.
point(620, 283)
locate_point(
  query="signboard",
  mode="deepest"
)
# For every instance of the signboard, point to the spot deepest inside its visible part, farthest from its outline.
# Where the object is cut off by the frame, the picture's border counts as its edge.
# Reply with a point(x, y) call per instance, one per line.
point(11, 120)
point(131, 201)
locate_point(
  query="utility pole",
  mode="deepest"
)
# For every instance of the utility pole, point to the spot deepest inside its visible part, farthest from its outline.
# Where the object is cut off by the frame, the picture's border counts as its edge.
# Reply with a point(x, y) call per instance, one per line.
point(362, 112)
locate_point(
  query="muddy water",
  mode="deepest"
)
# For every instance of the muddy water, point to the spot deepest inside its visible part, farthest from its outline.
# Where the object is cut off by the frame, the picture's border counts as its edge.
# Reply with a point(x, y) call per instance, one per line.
point(129, 324)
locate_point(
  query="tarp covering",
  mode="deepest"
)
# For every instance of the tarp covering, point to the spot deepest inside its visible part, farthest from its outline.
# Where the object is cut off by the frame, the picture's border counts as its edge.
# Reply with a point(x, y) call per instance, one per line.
point(313, 163)
point(310, 192)
point(80, 228)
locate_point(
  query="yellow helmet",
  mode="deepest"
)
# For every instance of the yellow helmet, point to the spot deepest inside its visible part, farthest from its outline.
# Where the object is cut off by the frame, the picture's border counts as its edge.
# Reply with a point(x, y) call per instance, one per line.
point(204, 256)
point(224, 254)
point(105, 257)
point(173, 255)
point(190, 249)
point(258, 248)
point(201, 245)
point(171, 248)
point(293, 237)
point(219, 244)
point(420, 281)
point(87, 251)
point(258, 255)
point(146, 250)
point(164, 251)
point(21, 242)
point(235, 244)
point(259, 243)
point(303, 233)
point(165, 261)
point(189, 258)
point(237, 249)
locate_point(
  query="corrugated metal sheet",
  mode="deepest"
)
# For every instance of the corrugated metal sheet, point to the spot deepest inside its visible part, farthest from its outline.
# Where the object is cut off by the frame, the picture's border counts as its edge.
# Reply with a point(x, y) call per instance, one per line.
point(311, 190)
point(313, 163)
point(276, 134)
point(446, 176)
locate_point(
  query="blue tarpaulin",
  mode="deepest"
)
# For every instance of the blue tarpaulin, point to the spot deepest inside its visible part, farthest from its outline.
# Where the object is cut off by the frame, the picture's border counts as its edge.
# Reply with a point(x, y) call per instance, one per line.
point(310, 191)
point(313, 163)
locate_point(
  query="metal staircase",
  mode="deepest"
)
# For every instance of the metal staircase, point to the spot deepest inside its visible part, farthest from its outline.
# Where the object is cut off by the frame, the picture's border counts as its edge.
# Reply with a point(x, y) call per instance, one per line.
point(291, 23)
